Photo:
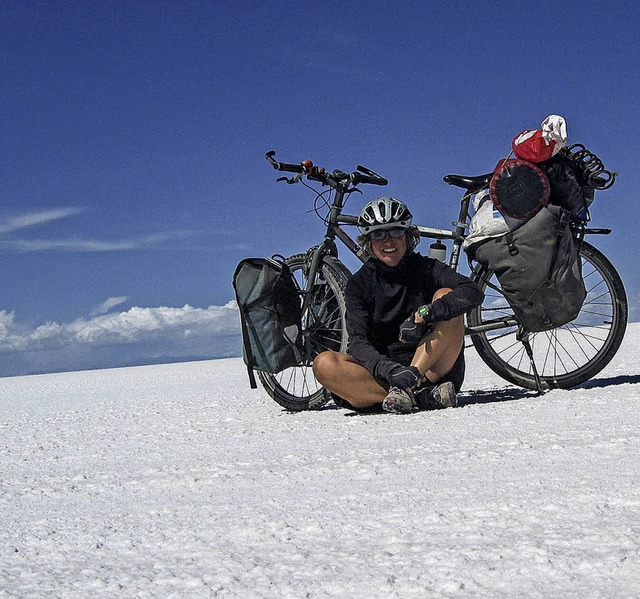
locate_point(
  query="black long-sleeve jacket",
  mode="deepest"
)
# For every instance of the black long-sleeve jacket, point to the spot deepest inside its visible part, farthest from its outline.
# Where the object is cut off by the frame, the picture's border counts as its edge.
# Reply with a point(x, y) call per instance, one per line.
point(380, 298)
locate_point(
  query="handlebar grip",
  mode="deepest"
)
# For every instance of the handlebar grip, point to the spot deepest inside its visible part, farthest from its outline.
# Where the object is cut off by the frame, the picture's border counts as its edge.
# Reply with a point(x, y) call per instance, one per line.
point(283, 166)
point(377, 180)
point(366, 175)
point(291, 168)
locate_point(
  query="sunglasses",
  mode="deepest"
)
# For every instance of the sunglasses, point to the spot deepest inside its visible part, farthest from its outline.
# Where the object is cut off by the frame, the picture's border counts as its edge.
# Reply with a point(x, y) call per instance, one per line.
point(380, 234)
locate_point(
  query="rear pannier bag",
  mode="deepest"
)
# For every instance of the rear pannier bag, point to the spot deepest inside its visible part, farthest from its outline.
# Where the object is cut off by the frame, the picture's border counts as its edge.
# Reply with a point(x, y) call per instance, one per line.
point(538, 268)
point(270, 314)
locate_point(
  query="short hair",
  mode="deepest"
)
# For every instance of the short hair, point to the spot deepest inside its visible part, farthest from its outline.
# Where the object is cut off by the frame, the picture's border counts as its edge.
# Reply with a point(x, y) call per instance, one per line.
point(412, 235)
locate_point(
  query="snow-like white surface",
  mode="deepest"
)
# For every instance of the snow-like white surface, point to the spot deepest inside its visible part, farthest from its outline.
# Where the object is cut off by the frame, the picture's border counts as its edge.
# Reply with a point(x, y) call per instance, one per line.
point(180, 481)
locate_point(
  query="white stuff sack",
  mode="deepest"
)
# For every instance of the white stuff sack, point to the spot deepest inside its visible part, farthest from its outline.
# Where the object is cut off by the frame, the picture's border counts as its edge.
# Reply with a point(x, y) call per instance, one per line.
point(487, 222)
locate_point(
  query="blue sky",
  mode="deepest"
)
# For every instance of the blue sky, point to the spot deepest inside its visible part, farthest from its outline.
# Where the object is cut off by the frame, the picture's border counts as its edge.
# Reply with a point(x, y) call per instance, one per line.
point(133, 134)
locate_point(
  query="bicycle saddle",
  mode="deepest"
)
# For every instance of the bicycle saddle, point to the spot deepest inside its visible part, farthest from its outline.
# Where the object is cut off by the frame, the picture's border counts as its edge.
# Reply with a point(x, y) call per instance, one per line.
point(470, 183)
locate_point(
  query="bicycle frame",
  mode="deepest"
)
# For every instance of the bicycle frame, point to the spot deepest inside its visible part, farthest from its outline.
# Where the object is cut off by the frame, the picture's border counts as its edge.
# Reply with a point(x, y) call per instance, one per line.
point(334, 230)
point(457, 236)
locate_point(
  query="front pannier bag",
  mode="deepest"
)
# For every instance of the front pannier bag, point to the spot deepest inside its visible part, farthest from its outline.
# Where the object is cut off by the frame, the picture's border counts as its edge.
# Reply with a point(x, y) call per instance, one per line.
point(270, 314)
point(538, 268)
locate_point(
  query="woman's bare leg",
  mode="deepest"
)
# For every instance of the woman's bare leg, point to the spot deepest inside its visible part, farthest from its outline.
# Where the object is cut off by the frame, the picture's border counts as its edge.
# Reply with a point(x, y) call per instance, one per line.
point(342, 375)
point(439, 350)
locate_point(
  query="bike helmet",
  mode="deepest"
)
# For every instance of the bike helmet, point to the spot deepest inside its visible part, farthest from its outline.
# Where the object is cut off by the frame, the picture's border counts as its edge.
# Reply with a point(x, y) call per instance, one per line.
point(384, 213)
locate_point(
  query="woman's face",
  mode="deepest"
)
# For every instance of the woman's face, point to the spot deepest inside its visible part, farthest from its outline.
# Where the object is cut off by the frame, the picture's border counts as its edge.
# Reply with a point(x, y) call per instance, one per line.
point(390, 250)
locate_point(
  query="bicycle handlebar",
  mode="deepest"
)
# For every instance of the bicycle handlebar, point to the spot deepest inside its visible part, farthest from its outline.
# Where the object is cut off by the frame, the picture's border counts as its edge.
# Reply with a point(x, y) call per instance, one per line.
point(367, 176)
point(318, 173)
point(283, 166)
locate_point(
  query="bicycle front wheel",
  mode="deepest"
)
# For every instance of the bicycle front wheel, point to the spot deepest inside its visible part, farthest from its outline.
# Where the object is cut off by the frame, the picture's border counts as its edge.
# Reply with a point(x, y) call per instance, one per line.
point(323, 328)
point(566, 356)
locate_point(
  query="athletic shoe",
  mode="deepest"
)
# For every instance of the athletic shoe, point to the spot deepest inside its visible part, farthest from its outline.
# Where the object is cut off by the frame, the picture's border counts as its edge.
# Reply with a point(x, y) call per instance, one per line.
point(398, 401)
point(436, 397)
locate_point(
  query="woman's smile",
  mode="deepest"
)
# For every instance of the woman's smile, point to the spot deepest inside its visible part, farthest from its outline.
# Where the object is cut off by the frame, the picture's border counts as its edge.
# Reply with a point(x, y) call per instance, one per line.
point(390, 250)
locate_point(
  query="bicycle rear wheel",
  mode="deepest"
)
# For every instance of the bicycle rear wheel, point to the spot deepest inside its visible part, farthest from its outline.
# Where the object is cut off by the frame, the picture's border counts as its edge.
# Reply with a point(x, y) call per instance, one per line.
point(323, 327)
point(566, 356)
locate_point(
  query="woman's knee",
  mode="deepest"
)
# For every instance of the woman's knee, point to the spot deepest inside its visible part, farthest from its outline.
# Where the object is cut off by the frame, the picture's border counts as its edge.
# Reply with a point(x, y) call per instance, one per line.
point(324, 363)
point(441, 293)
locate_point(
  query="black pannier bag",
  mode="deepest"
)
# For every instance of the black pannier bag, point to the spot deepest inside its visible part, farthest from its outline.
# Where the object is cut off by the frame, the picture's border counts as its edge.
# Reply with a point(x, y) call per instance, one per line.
point(270, 315)
point(539, 270)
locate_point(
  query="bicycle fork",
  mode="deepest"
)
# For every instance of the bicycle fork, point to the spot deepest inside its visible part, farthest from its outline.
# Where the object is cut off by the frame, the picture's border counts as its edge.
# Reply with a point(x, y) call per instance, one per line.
point(312, 267)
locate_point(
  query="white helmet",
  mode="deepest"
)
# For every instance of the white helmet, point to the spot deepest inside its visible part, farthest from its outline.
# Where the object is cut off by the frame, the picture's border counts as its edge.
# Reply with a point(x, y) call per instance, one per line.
point(384, 213)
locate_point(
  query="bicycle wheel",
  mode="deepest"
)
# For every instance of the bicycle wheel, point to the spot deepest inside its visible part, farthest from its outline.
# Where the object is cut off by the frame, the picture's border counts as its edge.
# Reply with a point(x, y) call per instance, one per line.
point(565, 356)
point(323, 327)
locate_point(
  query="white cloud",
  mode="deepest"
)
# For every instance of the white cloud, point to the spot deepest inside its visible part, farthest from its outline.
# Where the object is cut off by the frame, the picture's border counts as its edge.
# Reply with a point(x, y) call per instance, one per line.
point(162, 240)
point(32, 219)
point(110, 303)
point(96, 245)
point(136, 336)
point(6, 323)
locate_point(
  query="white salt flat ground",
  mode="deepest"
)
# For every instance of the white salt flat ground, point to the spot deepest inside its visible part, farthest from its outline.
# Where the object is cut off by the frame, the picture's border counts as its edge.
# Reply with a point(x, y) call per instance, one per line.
point(180, 481)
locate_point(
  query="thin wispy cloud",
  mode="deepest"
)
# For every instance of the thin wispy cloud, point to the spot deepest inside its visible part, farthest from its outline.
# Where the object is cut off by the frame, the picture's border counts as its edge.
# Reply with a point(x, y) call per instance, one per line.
point(156, 241)
point(109, 304)
point(32, 219)
point(24, 244)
